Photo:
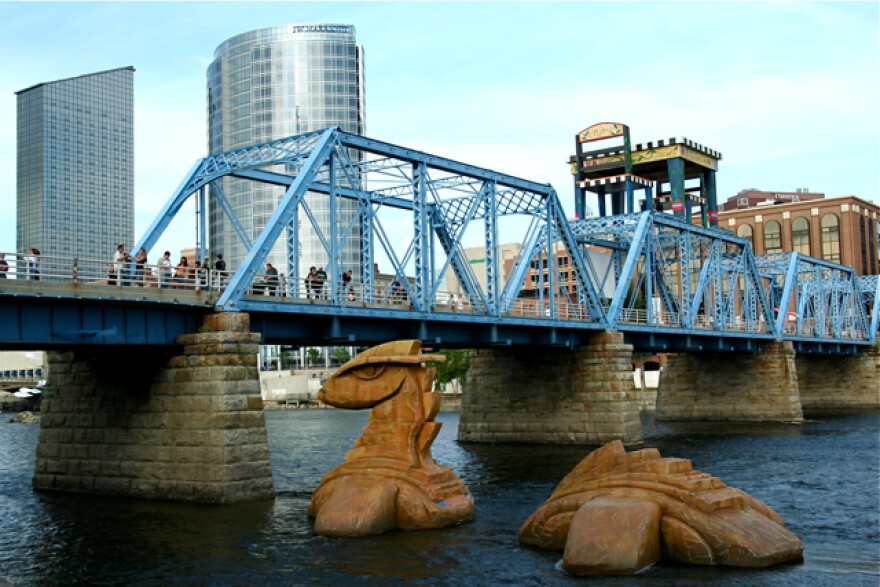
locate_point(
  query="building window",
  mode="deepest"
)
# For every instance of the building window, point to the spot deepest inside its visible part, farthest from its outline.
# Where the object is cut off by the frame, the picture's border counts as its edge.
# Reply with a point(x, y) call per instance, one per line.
point(800, 236)
point(772, 237)
point(864, 237)
point(830, 238)
point(745, 231)
point(872, 244)
point(742, 202)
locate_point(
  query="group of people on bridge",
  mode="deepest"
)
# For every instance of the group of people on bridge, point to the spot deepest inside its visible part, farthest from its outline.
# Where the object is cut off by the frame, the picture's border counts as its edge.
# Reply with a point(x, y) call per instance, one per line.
point(132, 270)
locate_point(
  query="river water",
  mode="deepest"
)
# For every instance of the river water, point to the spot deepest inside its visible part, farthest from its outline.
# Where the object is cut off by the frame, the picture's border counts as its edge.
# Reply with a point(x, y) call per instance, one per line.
point(822, 477)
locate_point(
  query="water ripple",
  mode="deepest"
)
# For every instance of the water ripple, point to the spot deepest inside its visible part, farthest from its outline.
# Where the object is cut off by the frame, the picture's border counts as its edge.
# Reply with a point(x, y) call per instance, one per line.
point(822, 477)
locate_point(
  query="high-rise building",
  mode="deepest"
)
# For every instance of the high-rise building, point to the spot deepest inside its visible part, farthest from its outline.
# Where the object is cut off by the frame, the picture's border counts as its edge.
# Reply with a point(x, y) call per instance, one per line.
point(269, 84)
point(75, 157)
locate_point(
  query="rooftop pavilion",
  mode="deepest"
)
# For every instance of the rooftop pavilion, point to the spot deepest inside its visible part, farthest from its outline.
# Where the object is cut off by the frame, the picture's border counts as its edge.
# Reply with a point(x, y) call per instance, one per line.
point(673, 173)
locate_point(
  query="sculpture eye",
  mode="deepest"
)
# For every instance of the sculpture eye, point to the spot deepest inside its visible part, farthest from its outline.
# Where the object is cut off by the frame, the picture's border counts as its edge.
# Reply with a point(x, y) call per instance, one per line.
point(368, 371)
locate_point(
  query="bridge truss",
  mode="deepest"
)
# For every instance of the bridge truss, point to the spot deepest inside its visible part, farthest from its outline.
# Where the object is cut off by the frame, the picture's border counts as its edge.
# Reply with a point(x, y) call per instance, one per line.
point(668, 275)
point(665, 283)
point(435, 200)
point(818, 301)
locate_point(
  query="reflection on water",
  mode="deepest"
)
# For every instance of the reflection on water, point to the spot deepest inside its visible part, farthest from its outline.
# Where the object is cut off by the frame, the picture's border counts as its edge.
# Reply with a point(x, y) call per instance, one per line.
point(822, 477)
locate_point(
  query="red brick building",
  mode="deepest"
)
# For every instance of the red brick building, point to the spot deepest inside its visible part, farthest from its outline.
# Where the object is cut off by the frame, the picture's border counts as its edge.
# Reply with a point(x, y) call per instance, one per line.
point(843, 230)
point(752, 198)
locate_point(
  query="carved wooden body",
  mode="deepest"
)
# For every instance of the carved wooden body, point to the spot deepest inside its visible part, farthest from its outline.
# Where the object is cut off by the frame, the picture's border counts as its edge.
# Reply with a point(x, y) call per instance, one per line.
point(389, 479)
point(619, 512)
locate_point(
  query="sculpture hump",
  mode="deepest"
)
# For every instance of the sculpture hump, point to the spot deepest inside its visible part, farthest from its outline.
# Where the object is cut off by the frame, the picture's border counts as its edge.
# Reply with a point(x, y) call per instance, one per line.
point(593, 515)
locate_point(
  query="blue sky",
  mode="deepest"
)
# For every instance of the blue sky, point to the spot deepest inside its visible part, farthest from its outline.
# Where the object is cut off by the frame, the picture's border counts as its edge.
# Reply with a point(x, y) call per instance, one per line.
point(787, 92)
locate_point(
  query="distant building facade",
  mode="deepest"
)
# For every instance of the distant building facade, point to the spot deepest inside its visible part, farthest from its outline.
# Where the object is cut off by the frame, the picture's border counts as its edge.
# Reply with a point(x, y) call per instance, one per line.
point(75, 165)
point(269, 84)
point(843, 230)
point(476, 257)
point(752, 198)
point(537, 281)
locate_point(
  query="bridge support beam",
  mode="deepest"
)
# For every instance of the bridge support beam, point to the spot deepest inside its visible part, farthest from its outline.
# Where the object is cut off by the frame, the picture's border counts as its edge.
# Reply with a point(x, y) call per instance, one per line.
point(553, 396)
point(154, 425)
point(732, 387)
point(832, 384)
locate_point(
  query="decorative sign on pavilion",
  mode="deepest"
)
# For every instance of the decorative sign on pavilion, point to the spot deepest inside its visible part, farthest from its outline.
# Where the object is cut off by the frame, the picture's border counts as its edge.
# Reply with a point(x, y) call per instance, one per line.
point(603, 130)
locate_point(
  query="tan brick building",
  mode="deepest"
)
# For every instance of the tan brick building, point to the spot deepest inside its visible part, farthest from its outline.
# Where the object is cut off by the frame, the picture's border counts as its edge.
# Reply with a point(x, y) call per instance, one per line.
point(843, 230)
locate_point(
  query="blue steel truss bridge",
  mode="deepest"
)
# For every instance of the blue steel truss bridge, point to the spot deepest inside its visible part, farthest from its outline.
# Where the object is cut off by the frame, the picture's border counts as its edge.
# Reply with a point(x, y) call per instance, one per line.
point(666, 284)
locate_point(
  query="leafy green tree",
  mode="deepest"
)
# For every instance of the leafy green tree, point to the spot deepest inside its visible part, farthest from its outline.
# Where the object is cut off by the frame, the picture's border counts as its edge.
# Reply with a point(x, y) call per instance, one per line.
point(340, 353)
point(313, 355)
point(458, 361)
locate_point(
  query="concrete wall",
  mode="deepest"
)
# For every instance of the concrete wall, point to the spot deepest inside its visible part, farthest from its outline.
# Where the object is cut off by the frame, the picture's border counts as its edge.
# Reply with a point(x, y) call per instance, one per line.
point(554, 396)
point(187, 426)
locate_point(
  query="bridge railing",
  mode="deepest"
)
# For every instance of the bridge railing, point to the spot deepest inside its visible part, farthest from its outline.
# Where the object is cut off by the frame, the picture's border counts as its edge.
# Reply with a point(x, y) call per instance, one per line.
point(701, 322)
point(358, 294)
point(280, 289)
point(383, 294)
point(23, 266)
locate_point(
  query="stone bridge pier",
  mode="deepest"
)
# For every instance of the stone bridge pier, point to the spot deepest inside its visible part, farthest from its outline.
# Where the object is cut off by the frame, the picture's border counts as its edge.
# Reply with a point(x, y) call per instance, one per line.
point(180, 425)
point(733, 387)
point(830, 384)
point(552, 396)
point(774, 385)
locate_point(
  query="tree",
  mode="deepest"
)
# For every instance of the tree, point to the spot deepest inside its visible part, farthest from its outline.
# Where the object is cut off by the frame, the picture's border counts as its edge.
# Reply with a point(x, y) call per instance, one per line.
point(454, 369)
point(340, 353)
point(313, 355)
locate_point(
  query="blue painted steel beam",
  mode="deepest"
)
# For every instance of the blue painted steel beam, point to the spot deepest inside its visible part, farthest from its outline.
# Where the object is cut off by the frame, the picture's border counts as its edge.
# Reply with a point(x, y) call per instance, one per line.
point(629, 268)
point(202, 219)
point(171, 208)
point(422, 236)
point(283, 214)
point(50, 323)
point(442, 163)
point(493, 271)
point(280, 179)
point(220, 196)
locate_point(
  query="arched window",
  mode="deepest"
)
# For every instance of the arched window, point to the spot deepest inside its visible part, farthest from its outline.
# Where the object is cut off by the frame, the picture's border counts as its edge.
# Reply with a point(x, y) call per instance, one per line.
point(772, 237)
point(830, 238)
point(800, 236)
point(745, 231)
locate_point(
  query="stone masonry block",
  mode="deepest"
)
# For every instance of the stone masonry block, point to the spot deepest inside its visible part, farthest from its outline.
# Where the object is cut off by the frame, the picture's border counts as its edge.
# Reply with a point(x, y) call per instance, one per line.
point(228, 321)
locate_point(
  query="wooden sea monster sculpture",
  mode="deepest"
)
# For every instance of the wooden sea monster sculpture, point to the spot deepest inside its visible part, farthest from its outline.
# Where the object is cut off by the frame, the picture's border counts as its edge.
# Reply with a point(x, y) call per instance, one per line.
point(389, 479)
point(617, 513)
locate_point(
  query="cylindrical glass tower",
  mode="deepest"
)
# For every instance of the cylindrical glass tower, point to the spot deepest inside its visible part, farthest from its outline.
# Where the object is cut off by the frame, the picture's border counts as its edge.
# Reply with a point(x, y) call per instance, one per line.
point(270, 84)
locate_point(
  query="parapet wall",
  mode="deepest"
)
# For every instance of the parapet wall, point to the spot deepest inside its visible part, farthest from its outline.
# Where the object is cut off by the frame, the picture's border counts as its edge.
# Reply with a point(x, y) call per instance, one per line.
point(145, 424)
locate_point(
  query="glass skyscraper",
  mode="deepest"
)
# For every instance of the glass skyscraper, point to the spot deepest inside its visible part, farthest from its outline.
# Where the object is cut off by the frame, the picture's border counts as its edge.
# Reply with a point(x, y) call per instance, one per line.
point(75, 158)
point(270, 84)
